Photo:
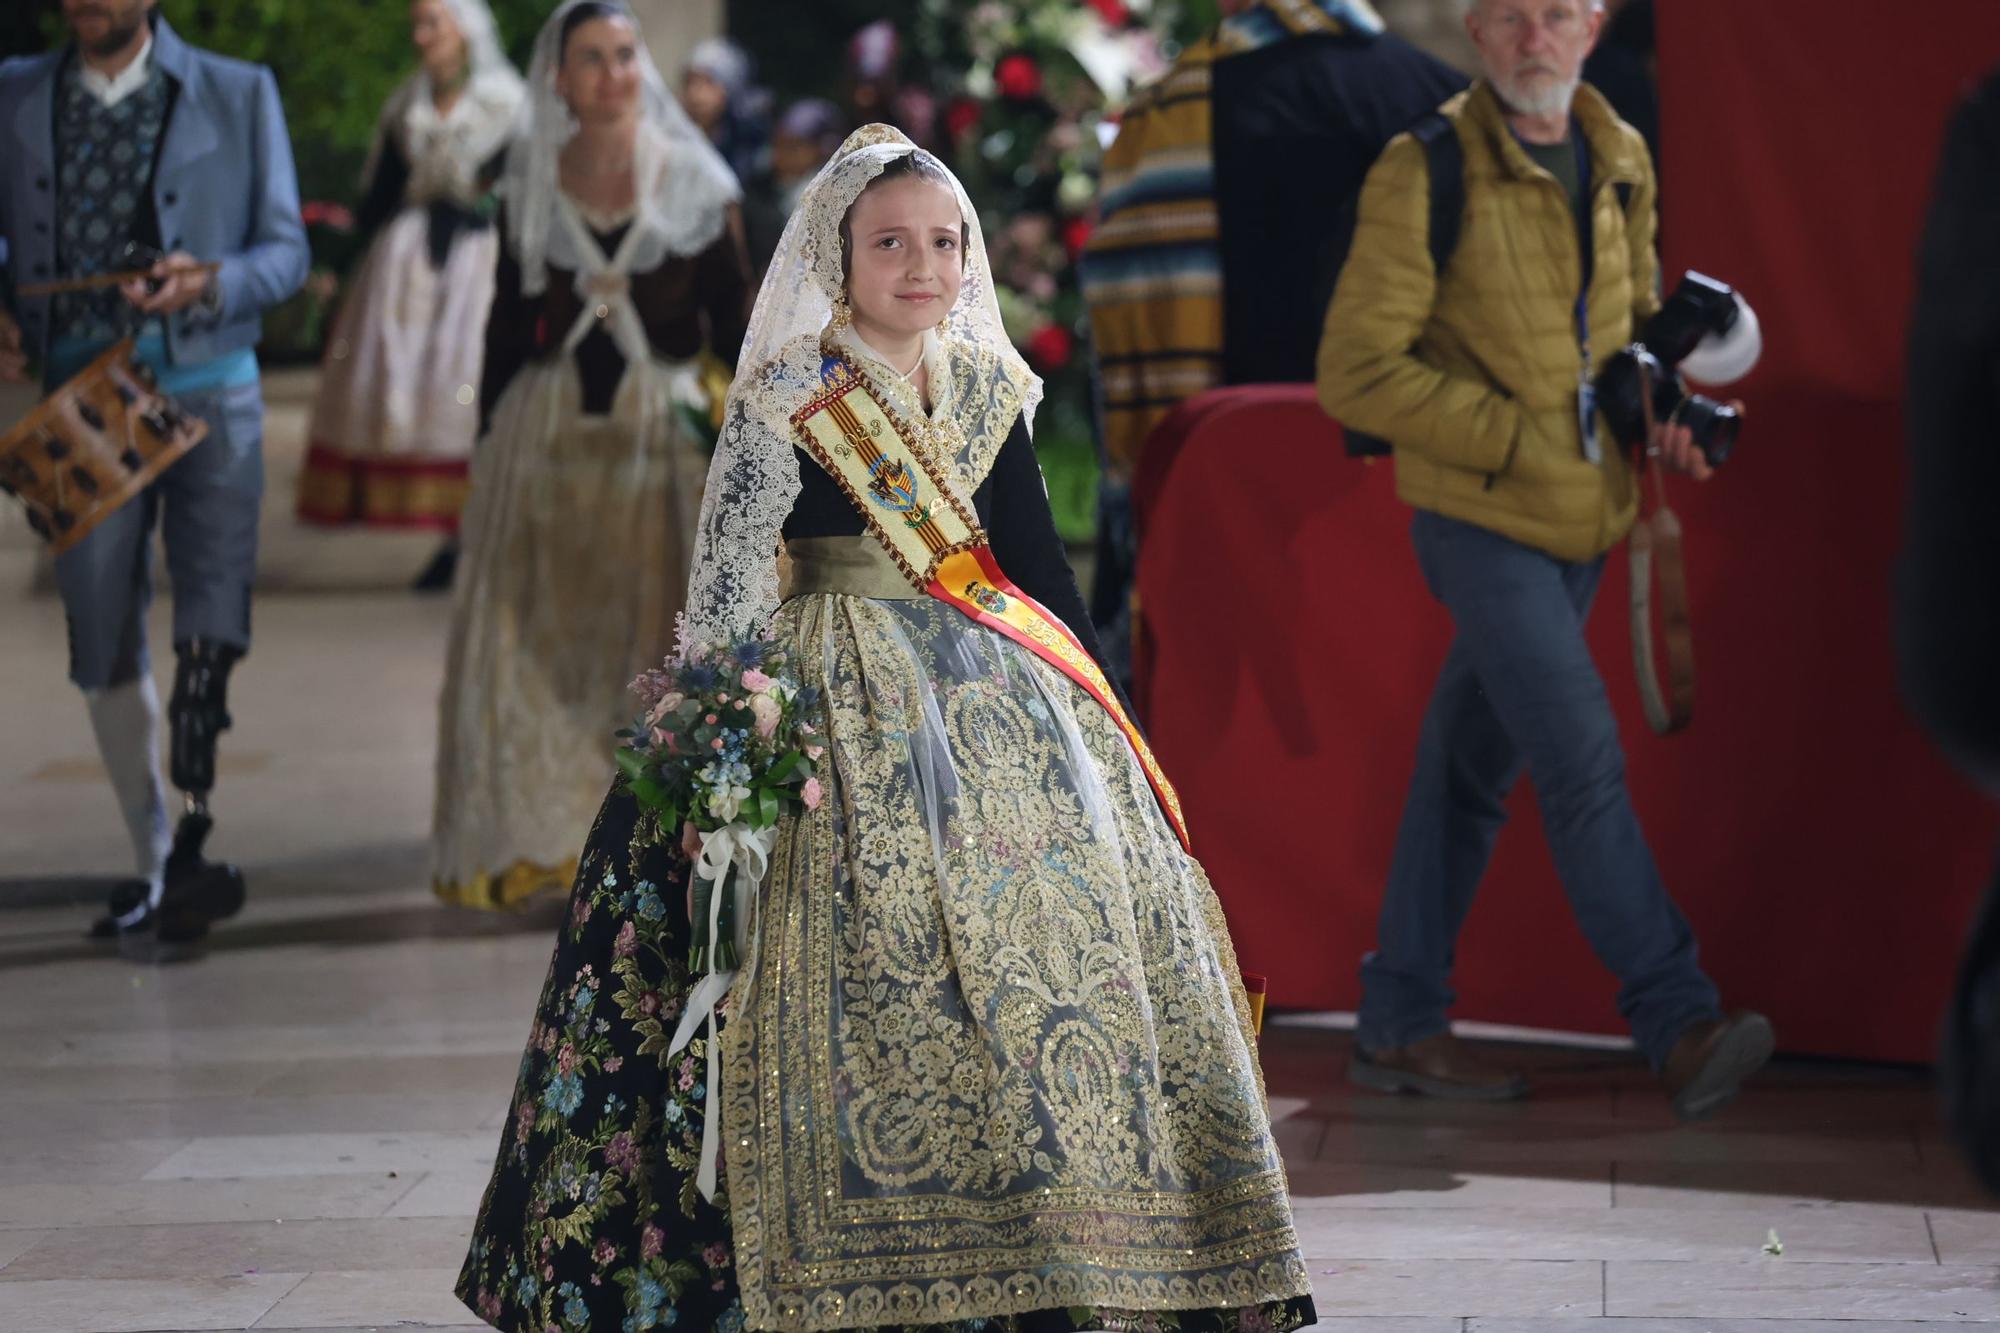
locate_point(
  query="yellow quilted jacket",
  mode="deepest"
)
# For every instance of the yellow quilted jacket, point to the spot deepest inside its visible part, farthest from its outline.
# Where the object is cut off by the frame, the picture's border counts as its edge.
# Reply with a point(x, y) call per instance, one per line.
point(1473, 375)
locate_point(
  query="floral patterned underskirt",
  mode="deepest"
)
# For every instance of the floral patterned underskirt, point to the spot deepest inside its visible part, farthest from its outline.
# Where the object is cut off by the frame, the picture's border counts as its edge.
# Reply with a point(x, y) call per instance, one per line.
point(989, 1070)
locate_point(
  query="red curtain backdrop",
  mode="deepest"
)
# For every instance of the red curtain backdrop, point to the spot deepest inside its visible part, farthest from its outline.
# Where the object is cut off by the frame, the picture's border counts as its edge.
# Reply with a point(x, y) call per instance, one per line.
point(1798, 138)
point(1827, 859)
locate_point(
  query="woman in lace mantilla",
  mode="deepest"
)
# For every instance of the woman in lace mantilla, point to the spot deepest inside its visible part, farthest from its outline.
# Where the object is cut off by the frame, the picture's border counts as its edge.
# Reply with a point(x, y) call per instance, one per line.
point(396, 417)
point(623, 256)
point(989, 1065)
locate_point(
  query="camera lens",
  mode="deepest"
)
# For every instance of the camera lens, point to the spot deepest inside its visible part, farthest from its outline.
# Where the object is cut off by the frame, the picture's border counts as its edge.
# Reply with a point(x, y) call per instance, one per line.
point(1714, 426)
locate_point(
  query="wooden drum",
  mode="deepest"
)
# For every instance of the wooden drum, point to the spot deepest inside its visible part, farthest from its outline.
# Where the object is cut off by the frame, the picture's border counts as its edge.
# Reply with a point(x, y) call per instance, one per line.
point(92, 445)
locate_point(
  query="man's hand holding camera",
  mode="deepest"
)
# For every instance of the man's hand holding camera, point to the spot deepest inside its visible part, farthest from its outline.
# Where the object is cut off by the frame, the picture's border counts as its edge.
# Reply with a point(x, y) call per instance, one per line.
point(1706, 328)
point(1673, 447)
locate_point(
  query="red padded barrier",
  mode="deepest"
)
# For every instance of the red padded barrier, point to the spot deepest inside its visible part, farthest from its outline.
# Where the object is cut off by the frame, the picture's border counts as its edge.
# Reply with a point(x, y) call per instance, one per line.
point(1826, 858)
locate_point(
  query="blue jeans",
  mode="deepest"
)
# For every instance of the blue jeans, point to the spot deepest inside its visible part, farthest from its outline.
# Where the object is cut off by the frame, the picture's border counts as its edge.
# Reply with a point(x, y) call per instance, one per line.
point(208, 504)
point(1519, 689)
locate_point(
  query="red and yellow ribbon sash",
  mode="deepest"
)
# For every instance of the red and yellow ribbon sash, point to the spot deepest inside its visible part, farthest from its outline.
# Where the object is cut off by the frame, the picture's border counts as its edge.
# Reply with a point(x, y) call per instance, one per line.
point(938, 544)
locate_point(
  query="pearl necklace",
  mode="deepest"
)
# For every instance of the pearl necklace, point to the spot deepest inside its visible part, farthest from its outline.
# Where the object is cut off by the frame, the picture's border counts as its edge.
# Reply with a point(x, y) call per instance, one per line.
point(904, 375)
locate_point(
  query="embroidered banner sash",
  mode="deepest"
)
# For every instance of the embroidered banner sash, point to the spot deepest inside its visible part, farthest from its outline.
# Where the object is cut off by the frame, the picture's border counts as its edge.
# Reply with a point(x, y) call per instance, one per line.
point(938, 544)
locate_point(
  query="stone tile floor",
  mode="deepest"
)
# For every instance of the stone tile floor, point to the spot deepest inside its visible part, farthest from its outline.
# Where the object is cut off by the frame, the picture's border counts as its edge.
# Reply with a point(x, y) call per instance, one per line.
point(293, 1133)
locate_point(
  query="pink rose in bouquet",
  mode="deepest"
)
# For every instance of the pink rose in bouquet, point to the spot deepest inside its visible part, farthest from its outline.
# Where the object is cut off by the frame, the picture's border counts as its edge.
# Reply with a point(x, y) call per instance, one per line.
point(725, 743)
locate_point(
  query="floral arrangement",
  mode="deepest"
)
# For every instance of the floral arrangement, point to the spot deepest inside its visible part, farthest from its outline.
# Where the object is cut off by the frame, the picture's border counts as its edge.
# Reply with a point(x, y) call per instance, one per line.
point(725, 744)
point(1026, 127)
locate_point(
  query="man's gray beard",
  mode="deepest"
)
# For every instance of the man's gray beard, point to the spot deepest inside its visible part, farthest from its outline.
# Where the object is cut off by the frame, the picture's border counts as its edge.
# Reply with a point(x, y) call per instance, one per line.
point(1554, 100)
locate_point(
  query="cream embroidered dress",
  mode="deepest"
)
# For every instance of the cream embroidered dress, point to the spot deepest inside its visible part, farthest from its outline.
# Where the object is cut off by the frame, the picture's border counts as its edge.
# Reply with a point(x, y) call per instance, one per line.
point(397, 412)
point(989, 1065)
point(580, 522)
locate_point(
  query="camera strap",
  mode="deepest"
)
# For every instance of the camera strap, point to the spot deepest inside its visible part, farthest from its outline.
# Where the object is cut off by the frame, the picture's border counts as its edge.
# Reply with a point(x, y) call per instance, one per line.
point(1657, 563)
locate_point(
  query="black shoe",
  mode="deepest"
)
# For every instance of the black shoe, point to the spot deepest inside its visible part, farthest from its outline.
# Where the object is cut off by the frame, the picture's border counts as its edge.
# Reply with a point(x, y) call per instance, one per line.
point(170, 931)
point(212, 889)
point(437, 574)
point(175, 929)
point(127, 898)
point(197, 893)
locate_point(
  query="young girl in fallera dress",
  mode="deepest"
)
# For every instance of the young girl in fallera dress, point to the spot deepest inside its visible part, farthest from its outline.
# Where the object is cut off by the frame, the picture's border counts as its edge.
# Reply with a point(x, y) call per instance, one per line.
point(989, 1064)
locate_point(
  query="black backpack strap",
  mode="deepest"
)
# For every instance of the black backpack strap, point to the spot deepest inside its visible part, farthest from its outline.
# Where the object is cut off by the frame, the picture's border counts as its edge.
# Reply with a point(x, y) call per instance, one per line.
point(1445, 156)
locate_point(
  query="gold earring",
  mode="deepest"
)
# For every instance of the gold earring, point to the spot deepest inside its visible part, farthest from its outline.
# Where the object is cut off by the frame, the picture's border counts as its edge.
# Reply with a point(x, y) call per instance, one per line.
point(842, 315)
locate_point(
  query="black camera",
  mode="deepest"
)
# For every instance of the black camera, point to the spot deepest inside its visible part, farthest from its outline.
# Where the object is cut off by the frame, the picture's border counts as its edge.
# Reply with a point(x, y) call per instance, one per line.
point(1700, 309)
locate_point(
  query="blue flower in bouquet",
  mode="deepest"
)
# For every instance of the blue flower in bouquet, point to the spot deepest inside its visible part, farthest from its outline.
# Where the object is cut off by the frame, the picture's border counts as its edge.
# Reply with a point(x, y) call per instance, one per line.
point(726, 739)
point(721, 773)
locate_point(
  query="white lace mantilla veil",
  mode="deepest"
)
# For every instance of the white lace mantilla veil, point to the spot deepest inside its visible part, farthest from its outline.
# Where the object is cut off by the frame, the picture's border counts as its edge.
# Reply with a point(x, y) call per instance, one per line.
point(491, 84)
point(753, 479)
point(685, 188)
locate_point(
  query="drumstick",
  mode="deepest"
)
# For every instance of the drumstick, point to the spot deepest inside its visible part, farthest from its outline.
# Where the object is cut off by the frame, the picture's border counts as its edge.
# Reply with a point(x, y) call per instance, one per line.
point(101, 280)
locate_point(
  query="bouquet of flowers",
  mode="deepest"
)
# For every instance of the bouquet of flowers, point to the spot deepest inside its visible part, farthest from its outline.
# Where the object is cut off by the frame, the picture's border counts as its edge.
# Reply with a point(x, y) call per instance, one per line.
point(725, 744)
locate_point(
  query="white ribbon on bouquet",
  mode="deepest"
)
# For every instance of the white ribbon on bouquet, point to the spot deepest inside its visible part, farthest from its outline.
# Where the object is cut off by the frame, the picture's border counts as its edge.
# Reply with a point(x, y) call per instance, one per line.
point(747, 851)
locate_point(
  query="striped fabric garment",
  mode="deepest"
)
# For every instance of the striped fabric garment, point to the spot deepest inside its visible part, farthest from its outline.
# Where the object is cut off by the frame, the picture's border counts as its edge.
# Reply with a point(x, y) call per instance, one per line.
point(1152, 269)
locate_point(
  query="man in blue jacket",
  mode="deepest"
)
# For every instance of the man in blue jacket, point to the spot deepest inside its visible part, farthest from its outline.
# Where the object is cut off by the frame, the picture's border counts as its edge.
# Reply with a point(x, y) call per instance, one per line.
point(130, 142)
